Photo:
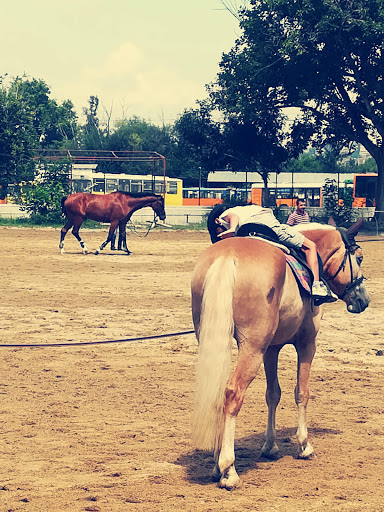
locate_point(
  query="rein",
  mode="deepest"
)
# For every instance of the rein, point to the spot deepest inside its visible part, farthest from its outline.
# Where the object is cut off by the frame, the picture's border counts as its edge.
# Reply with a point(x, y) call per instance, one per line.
point(350, 249)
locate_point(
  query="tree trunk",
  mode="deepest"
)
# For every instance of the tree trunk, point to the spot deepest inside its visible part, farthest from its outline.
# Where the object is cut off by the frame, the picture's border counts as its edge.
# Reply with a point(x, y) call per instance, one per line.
point(265, 192)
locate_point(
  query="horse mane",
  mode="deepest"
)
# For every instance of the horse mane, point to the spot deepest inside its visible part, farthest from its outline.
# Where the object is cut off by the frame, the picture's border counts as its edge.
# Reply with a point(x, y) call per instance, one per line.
point(138, 194)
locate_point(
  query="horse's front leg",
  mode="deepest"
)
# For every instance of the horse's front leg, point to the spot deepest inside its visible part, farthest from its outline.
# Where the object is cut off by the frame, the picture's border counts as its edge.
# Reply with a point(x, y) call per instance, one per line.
point(123, 238)
point(112, 228)
point(246, 370)
point(305, 354)
point(272, 395)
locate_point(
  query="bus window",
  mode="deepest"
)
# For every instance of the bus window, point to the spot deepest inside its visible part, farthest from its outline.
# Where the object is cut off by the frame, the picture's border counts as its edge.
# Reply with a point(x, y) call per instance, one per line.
point(159, 187)
point(136, 185)
point(82, 185)
point(147, 186)
point(111, 186)
point(124, 185)
point(99, 185)
point(172, 187)
point(365, 186)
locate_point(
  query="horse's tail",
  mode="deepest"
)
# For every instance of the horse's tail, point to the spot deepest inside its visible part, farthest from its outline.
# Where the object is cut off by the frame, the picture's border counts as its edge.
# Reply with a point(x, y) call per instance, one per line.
point(215, 349)
point(63, 199)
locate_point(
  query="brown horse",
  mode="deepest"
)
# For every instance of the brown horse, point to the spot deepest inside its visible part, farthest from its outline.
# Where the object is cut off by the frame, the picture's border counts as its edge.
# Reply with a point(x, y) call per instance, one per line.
point(242, 288)
point(116, 208)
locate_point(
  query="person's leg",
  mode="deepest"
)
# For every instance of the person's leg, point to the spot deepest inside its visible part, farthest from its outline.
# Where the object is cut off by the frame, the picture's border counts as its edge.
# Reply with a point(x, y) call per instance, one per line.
point(320, 292)
point(310, 252)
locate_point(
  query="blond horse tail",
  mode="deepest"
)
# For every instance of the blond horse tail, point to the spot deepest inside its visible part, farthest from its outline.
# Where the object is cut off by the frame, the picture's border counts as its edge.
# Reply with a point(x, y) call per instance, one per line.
point(215, 350)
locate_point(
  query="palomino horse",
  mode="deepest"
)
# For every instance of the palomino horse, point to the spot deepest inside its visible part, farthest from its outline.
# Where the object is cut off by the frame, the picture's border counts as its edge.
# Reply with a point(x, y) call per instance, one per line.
point(116, 208)
point(243, 288)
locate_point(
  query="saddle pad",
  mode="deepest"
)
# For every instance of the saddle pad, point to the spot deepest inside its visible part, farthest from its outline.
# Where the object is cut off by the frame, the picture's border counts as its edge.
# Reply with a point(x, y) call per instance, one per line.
point(300, 272)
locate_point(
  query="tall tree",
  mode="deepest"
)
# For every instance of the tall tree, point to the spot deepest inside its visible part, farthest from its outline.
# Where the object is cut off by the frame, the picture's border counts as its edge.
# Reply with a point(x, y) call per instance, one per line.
point(30, 120)
point(324, 57)
point(92, 134)
point(199, 144)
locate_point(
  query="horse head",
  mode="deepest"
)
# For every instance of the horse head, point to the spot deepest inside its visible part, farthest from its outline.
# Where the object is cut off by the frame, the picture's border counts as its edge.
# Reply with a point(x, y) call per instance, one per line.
point(158, 207)
point(344, 272)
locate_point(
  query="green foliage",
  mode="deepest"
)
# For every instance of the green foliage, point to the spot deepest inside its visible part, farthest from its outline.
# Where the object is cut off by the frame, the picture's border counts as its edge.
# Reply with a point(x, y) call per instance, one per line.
point(199, 144)
point(29, 120)
point(341, 214)
point(325, 58)
point(42, 197)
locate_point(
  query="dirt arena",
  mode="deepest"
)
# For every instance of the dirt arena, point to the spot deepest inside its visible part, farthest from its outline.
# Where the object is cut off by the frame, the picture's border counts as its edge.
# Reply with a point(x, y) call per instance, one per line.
point(107, 427)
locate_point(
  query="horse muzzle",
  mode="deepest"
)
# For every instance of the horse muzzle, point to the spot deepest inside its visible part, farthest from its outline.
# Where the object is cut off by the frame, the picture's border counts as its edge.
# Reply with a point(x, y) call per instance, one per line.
point(358, 300)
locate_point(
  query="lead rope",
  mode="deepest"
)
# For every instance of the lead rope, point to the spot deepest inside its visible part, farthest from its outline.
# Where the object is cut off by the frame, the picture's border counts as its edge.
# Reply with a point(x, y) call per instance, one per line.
point(84, 343)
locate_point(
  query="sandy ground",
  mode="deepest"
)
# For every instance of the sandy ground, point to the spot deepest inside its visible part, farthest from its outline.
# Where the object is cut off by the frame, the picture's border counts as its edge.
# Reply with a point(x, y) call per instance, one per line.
point(107, 427)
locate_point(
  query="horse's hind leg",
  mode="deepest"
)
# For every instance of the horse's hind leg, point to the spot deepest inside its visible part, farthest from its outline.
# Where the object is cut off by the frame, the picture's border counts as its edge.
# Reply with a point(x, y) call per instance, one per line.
point(246, 370)
point(272, 395)
point(63, 232)
point(112, 228)
point(75, 233)
point(305, 353)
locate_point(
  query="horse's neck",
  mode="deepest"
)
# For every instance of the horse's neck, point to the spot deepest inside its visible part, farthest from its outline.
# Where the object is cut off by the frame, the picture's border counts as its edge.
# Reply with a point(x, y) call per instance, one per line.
point(136, 203)
point(331, 248)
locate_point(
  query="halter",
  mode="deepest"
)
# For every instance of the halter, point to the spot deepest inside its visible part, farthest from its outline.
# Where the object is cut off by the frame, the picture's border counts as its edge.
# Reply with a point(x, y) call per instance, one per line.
point(350, 249)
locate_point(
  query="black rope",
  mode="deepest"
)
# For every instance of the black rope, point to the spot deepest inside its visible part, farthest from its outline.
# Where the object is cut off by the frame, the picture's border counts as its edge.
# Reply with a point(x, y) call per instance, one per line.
point(83, 343)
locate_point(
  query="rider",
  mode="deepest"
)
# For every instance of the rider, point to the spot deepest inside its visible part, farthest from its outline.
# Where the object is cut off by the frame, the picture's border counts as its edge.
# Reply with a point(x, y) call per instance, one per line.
point(225, 223)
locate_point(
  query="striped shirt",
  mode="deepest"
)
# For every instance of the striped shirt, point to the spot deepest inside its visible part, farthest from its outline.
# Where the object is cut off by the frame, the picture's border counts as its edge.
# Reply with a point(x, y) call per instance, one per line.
point(298, 218)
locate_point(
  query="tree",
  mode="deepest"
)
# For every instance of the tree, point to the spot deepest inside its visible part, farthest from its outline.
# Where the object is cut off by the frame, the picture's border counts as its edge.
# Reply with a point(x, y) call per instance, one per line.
point(92, 135)
point(17, 140)
point(323, 57)
point(29, 120)
point(42, 197)
point(199, 144)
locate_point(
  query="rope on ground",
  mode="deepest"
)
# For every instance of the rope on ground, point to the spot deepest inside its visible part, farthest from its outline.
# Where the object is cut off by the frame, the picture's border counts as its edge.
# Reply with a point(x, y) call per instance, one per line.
point(83, 343)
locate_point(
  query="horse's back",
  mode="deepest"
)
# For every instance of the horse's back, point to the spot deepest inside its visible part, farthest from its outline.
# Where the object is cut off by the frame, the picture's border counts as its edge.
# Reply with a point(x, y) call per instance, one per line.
point(265, 295)
point(251, 257)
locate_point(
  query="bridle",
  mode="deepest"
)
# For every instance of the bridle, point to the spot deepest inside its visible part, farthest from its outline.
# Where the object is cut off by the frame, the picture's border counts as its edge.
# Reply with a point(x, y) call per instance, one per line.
point(350, 248)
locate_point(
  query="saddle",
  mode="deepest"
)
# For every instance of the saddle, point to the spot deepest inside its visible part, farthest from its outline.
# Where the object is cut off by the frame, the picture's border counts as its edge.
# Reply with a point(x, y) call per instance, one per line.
point(295, 257)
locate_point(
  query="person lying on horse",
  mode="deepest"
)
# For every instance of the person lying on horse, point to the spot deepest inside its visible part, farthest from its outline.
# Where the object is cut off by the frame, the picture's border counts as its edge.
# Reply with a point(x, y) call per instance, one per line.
point(227, 223)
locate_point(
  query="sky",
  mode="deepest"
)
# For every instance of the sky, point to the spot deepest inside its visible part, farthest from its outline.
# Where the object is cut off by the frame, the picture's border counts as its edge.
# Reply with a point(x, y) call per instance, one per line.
point(148, 58)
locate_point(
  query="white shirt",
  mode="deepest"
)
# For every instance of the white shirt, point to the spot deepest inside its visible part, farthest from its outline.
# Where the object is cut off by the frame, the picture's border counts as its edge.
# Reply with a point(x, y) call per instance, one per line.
point(251, 213)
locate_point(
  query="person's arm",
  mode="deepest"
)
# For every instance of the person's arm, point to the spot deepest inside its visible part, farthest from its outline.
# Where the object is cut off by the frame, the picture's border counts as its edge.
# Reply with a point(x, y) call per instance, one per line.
point(233, 221)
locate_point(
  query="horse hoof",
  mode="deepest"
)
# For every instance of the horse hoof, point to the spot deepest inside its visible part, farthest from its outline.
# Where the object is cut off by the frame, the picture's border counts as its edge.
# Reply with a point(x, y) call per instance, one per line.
point(230, 483)
point(270, 453)
point(96, 253)
point(306, 452)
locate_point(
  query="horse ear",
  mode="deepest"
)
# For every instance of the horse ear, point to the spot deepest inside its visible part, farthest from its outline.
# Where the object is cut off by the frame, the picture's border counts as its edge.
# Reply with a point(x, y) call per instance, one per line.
point(331, 222)
point(354, 229)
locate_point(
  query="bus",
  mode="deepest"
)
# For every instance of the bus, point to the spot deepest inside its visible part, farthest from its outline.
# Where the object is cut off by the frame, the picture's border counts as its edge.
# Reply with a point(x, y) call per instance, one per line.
point(310, 188)
point(84, 178)
point(364, 189)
